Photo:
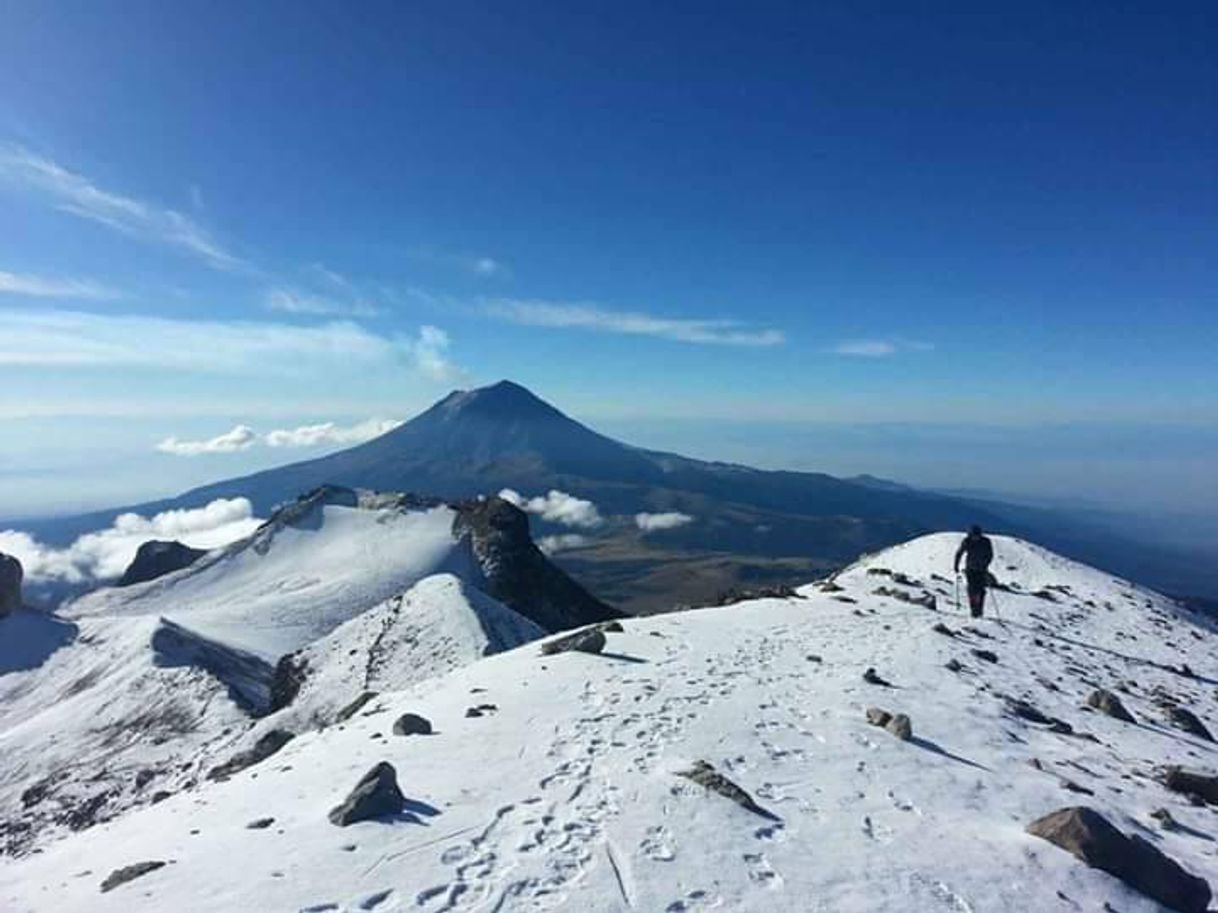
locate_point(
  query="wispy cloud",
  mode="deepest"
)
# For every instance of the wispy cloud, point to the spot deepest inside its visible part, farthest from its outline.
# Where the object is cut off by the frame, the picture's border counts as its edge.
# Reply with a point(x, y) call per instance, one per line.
point(54, 287)
point(330, 433)
point(290, 301)
point(76, 339)
point(552, 545)
point(74, 193)
point(474, 264)
point(702, 331)
point(243, 437)
point(879, 348)
point(240, 438)
point(669, 520)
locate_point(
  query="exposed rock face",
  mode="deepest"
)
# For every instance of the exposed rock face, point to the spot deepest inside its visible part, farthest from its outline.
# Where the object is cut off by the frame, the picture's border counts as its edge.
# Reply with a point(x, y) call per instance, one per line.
point(1185, 719)
point(411, 724)
point(376, 795)
point(1203, 786)
point(518, 574)
point(10, 584)
point(263, 749)
point(1088, 835)
point(128, 873)
point(1109, 704)
point(589, 640)
point(158, 558)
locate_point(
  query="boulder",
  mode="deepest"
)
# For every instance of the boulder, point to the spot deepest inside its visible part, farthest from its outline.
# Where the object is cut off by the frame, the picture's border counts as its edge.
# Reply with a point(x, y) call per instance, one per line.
point(10, 584)
point(376, 795)
point(878, 717)
point(1203, 786)
point(589, 640)
point(704, 774)
point(157, 558)
point(871, 677)
point(1185, 719)
point(1089, 836)
point(411, 724)
point(988, 656)
point(1109, 704)
point(901, 727)
point(128, 873)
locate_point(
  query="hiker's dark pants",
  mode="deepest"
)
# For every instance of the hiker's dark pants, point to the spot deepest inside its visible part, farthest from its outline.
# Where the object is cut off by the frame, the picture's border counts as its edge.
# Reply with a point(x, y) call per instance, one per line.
point(977, 581)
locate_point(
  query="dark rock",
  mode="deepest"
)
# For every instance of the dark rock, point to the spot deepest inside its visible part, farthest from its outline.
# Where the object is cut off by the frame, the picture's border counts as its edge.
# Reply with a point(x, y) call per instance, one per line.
point(411, 724)
point(611, 627)
point(1109, 704)
point(1203, 786)
point(901, 727)
point(1164, 818)
point(1026, 711)
point(941, 628)
point(988, 656)
point(128, 873)
point(376, 795)
point(160, 796)
point(1088, 835)
point(704, 774)
point(36, 793)
point(1185, 719)
point(11, 575)
point(354, 707)
point(734, 595)
point(481, 710)
point(259, 824)
point(589, 640)
point(877, 716)
point(145, 776)
point(872, 677)
point(266, 746)
point(953, 665)
point(926, 600)
point(290, 674)
point(158, 558)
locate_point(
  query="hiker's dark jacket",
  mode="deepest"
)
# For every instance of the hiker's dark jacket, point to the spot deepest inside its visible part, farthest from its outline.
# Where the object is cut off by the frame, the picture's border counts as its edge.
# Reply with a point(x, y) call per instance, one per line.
point(978, 552)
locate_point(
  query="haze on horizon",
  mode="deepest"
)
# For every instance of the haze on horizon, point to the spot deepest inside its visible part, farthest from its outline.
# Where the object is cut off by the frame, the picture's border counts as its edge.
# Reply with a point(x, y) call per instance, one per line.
point(959, 248)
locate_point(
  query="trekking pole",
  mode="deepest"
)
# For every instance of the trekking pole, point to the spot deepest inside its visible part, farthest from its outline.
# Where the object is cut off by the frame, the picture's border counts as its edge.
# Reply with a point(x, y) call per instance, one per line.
point(957, 592)
point(994, 603)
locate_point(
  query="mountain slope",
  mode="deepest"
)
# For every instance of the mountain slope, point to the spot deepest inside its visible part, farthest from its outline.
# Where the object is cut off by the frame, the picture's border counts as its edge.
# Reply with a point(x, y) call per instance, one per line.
point(568, 795)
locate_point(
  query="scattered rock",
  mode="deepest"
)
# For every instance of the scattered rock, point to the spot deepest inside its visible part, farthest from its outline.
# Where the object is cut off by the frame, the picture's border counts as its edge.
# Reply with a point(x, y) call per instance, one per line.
point(734, 595)
point(814, 658)
point(953, 665)
point(1164, 818)
point(901, 727)
point(611, 627)
point(1089, 836)
point(129, 873)
point(354, 707)
point(941, 628)
point(1026, 711)
point(411, 724)
point(481, 710)
point(36, 793)
point(1185, 719)
point(11, 575)
point(589, 640)
point(259, 824)
point(988, 656)
point(376, 795)
point(145, 776)
point(263, 749)
point(877, 716)
point(872, 677)
point(704, 774)
point(1203, 786)
point(160, 796)
point(1109, 704)
point(926, 600)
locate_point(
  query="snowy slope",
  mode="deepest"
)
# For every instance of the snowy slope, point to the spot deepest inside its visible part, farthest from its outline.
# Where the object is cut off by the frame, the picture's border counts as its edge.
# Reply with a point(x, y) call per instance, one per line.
point(294, 582)
point(566, 796)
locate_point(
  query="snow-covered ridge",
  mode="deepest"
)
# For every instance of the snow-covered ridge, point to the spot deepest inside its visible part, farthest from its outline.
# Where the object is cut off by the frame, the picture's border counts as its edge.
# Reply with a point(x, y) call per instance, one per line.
point(568, 794)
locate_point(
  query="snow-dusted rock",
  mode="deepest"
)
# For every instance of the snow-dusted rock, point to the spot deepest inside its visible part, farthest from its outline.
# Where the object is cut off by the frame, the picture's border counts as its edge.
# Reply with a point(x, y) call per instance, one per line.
point(1109, 704)
point(10, 584)
point(376, 795)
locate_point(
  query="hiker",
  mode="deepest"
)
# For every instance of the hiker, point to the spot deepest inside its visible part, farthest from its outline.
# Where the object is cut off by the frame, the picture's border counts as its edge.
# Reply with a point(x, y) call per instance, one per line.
point(978, 552)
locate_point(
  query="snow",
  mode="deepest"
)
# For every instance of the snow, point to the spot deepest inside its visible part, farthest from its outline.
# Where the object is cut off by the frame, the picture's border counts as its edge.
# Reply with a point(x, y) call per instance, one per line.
point(567, 796)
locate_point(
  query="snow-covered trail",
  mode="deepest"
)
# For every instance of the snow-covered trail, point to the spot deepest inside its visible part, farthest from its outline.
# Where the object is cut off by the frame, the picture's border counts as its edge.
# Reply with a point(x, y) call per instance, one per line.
point(566, 795)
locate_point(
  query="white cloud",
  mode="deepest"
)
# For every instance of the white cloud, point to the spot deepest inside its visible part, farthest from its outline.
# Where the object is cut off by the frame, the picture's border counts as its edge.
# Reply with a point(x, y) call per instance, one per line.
point(75, 194)
point(105, 554)
point(592, 317)
point(552, 545)
point(478, 265)
point(289, 301)
point(879, 348)
point(430, 354)
point(669, 520)
point(241, 437)
point(330, 433)
point(557, 507)
point(53, 287)
point(77, 339)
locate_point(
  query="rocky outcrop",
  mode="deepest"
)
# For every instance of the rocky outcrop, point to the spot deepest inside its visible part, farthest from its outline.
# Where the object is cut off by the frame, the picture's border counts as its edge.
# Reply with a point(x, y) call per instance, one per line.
point(376, 795)
point(10, 584)
point(589, 640)
point(1185, 719)
point(158, 558)
point(1202, 786)
point(129, 873)
point(263, 749)
point(412, 724)
point(1089, 836)
point(518, 574)
point(1109, 704)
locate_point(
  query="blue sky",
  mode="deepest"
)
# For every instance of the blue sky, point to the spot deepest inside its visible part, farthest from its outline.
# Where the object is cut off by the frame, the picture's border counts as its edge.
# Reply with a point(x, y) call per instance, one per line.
point(778, 226)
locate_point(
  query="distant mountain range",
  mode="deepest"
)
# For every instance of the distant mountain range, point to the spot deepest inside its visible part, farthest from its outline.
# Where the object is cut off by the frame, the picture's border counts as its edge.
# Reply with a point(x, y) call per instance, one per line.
point(748, 527)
